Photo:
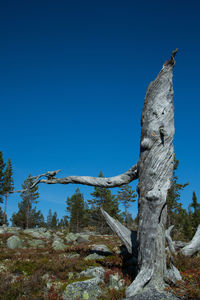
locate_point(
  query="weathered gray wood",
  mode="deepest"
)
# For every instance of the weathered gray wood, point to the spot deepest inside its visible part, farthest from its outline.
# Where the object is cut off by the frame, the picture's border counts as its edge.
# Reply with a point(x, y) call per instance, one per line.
point(125, 234)
point(107, 182)
point(169, 240)
point(155, 170)
point(194, 246)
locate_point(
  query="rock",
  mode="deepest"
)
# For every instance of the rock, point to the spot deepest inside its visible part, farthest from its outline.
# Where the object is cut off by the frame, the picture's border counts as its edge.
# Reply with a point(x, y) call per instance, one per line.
point(87, 289)
point(2, 231)
point(71, 237)
point(14, 230)
point(94, 272)
point(82, 239)
point(101, 250)
point(36, 243)
point(93, 256)
point(14, 242)
point(72, 255)
point(115, 281)
point(56, 245)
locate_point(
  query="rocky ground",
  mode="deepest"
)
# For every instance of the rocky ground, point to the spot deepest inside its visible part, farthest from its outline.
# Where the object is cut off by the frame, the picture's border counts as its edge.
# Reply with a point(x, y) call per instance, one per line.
point(46, 264)
point(41, 264)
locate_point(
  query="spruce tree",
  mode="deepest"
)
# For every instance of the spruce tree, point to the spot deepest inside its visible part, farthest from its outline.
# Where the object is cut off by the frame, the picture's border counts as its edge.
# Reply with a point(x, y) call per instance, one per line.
point(75, 207)
point(175, 211)
point(27, 216)
point(126, 196)
point(8, 185)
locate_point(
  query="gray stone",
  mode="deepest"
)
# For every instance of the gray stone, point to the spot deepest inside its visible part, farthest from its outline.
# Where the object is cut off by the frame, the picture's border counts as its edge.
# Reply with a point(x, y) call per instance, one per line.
point(56, 245)
point(94, 272)
point(93, 256)
point(87, 289)
point(36, 243)
point(14, 242)
point(101, 248)
point(82, 238)
point(113, 281)
point(2, 231)
point(71, 237)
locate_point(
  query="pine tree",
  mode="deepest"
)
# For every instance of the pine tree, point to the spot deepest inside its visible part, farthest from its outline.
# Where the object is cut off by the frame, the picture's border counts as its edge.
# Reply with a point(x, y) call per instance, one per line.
point(8, 185)
point(54, 221)
point(2, 221)
point(75, 207)
point(49, 218)
point(102, 197)
point(2, 166)
point(63, 222)
point(126, 196)
point(27, 216)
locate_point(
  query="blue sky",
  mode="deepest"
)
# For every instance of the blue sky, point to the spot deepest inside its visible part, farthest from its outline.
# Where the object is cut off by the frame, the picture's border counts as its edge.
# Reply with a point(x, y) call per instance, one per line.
point(73, 79)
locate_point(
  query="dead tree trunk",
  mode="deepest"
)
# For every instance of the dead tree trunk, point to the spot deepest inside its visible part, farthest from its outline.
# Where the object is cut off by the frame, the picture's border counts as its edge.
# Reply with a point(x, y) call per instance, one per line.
point(154, 170)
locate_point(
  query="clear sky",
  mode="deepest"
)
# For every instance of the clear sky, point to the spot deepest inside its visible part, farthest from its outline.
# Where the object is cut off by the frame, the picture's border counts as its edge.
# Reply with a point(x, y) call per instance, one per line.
point(73, 76)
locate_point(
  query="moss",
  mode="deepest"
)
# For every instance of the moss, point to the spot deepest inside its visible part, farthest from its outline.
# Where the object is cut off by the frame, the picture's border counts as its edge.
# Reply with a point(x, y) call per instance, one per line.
point(25, 267)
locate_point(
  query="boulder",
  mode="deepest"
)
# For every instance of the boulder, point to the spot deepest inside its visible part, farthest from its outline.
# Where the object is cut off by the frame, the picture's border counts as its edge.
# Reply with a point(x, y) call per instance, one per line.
point(86, 289)
point(93, 272)
point(57, 245)
point(93, 256)
point(82, 239)
point(36, 243)
point(14, 242)
point(71, 237)
point(101, 250)
point(115, 282)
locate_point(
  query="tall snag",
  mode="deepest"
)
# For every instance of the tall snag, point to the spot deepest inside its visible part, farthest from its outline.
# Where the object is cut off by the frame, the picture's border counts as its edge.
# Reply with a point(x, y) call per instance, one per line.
point(154, 170)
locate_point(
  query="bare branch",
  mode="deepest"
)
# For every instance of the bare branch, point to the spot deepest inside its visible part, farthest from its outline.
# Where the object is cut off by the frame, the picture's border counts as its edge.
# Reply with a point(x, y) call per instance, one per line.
point(107, 182)
point(169, 240)
point(194, 245)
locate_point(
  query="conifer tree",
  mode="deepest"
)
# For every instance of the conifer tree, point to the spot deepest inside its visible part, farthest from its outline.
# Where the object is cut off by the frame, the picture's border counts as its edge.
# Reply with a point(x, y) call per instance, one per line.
point(2, 166)
point(63, 222)
point(175, 210)
point(49, 218)
point(75, 207)
point(27, 216)
point(54, 221)
point(8, 185)
point(126, 196)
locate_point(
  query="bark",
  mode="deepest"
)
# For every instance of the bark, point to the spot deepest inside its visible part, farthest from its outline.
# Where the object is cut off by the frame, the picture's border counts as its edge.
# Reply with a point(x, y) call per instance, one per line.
point(155, 170)
point(169, 240)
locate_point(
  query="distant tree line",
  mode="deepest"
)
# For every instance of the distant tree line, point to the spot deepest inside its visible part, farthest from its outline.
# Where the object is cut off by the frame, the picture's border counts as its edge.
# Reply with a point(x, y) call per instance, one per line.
point(81, 213)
